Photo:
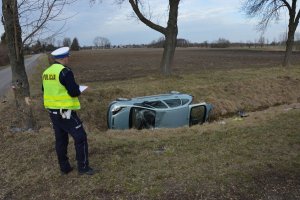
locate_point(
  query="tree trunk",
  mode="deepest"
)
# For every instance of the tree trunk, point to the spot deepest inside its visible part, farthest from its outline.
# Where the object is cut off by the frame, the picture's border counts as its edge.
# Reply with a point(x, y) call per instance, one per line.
point(170, 39)
point(20, 83)
point(170, 33)
point(168, 54)
point(289, 46)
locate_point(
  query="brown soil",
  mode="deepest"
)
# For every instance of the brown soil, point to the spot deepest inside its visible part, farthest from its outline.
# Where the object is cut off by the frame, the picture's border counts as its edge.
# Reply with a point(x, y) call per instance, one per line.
point(120, 64)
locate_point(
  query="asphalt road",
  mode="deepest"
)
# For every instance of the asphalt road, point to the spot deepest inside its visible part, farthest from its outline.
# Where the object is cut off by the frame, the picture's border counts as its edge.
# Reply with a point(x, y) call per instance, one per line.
point(6, 75)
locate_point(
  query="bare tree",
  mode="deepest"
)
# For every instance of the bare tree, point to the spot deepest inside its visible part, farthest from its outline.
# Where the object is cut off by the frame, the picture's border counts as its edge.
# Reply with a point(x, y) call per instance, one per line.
point(22, 11)
point(97, 41)
point(101, 42)
point(249, 43)
point(220, 43)
point(269, 10)
point(49, 41)
point(35, 15)
point(170, 32)
point(67, 42)
point(59, 43)
point(261, 41)
point(282, 38)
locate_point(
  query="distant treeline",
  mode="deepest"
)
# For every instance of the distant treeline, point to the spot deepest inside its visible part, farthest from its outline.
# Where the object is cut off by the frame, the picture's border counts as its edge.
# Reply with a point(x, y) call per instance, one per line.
point(220, 43)
point(43, 47)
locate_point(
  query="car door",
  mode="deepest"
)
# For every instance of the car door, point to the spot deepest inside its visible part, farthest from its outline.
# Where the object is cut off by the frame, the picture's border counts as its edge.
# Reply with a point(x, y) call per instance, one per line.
point(172, 117)
point(197, 113)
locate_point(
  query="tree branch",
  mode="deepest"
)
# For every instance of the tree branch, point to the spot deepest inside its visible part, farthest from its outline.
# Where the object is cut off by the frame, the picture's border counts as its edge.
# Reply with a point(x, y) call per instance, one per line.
point(37, 14)
point(135, 7)
point(266, 10)
point(287, 4)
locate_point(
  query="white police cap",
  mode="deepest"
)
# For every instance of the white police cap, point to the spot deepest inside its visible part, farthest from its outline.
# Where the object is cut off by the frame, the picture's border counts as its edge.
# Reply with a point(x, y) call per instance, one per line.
point(61, 52)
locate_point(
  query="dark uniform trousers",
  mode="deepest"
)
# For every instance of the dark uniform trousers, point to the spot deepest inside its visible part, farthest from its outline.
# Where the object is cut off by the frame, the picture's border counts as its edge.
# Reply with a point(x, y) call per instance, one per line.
point(74, 127)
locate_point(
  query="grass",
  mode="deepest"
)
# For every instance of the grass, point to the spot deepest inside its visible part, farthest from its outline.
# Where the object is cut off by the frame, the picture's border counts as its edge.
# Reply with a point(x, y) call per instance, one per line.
point(250, 158)
point(238, 160)
point(229, 91)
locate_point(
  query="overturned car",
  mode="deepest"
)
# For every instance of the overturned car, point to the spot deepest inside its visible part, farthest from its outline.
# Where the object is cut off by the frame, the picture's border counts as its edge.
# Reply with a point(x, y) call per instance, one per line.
point(158, 111)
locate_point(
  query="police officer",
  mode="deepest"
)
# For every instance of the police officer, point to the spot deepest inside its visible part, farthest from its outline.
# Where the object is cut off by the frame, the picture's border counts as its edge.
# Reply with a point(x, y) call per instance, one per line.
point(61, 100)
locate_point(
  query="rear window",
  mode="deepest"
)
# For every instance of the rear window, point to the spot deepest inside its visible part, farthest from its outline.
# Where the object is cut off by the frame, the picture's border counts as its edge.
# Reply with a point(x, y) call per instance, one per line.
point(154, 104)
point(173, 102)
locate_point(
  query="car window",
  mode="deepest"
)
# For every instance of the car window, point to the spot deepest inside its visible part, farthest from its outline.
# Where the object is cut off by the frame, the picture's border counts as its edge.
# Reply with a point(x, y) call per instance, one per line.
point(197, 115)
point(154, 104)
point(173, 102)
point(141, 118)
point(185, 101)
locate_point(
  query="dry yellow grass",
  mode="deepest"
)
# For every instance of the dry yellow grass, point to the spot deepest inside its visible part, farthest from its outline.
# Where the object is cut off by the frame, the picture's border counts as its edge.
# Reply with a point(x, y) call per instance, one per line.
point(230, 158)
point(229, 90)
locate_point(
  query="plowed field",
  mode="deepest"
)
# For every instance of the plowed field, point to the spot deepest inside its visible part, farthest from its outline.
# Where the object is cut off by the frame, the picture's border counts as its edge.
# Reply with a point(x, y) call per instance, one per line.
point(118, 64)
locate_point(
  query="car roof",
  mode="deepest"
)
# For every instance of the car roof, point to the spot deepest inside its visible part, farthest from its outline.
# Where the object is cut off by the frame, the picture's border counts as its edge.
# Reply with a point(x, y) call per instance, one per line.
point(163, 97)
point(159, 97)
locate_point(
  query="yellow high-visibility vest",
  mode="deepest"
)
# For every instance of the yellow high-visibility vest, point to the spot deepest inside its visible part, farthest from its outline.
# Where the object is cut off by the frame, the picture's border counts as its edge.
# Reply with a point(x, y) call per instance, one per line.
point(55, 94)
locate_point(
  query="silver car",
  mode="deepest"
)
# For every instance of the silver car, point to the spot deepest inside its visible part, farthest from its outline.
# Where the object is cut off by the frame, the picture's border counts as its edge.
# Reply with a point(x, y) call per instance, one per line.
point(158, 111)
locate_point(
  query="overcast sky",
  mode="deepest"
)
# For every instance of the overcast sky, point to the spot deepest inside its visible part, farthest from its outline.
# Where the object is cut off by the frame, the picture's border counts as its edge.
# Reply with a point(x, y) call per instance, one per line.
point(198, 21)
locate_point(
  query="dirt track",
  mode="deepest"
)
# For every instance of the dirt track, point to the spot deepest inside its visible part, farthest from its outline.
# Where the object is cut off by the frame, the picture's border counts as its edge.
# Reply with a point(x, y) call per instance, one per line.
point(118, 64)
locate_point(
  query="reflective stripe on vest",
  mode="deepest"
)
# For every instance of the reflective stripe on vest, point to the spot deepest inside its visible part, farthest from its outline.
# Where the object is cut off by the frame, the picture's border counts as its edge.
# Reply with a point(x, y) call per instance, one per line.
point(55, 94)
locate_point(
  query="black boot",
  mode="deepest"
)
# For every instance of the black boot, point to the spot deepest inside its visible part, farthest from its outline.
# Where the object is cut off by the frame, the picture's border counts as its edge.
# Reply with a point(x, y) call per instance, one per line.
point(87, 171)
point(65, 172)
